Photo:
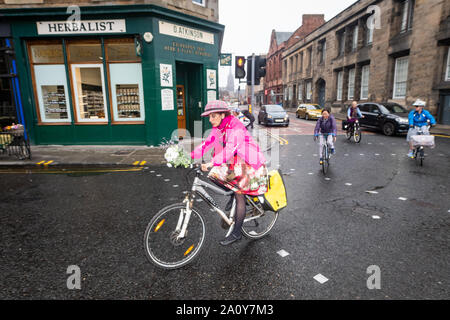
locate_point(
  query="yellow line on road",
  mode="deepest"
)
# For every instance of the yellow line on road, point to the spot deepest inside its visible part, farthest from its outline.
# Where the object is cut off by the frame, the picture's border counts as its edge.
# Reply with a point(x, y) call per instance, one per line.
point(135, 163)
point(47, 163)
point(143, 162)
point(278, 138)
point(438, 135)
point(2, 171)
point(39, 163)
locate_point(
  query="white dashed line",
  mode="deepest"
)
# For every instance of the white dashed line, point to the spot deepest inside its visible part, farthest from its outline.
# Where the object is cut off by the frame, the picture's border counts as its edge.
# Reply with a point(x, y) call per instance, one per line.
point(328, 179)
point(346, 154)
point(377, 154)
point(283, 253)
point(310, 173)
point(376, 217)
point(372, 192)
point(166, 180)
point(403, 199)
point(175, 186)
point(320, 278)
point(361, 154)
point(348, 184)
point(159, 175)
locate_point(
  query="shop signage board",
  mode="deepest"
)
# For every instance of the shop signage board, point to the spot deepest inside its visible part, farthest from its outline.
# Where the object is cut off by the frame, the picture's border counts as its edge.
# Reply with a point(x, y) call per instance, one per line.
point(225, 59)
point(179, 31)
point(81, 27)
point(166, 75)
point(167, 99)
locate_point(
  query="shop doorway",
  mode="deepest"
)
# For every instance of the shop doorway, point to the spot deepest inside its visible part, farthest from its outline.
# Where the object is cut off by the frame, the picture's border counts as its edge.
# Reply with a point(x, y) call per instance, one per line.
point(321, 87)
point(189, 94)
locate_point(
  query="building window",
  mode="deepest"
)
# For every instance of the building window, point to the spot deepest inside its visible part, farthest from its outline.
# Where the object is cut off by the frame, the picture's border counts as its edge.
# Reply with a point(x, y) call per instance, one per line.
point(50, 82)
point(309, 58)
point(340, 85)
point(341, 38)
point(322, 50)
point(308, 90)
point(447, 74)
point(301, 62)
point(400, 77)
point(300, 92)
point(125, 79)
point(355, 38)
point(351, 84)
point(407, 15)
point(365, 72)
point(199, 2)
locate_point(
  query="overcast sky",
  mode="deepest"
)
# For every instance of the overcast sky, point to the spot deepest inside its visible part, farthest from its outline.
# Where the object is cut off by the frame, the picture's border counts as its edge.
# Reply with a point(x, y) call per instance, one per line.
point(249, 23)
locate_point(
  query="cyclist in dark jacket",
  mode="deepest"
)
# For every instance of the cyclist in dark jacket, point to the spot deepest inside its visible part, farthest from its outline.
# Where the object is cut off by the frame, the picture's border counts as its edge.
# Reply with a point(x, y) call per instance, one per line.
point(326, 125)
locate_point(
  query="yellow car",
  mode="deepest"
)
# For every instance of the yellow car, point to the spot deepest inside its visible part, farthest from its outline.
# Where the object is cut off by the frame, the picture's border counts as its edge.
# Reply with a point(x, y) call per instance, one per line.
point(309, 111)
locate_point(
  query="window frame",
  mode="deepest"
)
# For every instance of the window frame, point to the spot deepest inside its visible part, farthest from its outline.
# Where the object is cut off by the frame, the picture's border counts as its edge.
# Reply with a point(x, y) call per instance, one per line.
point(40, 119)
point(351, 80)
point(108, 62)
point(340, 86)
point(407, 15)
point(202, 4)
point(355, 37)
point(447, 70)
point(394, 96)
point(363, 84)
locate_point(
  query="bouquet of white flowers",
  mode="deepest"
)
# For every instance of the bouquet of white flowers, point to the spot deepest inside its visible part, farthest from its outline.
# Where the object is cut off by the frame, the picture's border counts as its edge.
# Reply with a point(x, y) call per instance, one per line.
point(177, 157)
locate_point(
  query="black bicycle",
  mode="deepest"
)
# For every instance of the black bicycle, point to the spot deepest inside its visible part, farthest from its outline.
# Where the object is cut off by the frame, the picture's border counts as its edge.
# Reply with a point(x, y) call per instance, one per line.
point(354, 131)
point(326, 154)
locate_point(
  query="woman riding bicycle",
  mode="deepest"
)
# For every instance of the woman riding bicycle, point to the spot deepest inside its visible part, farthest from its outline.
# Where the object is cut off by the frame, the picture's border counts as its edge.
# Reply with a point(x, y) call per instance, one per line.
point(326, 125)
point(418, 118)
point(237, 162)
point(352, 115)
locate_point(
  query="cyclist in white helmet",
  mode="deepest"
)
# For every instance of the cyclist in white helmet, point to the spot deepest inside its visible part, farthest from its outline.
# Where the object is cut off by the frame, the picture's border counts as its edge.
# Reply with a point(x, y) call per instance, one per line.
point(418, 118)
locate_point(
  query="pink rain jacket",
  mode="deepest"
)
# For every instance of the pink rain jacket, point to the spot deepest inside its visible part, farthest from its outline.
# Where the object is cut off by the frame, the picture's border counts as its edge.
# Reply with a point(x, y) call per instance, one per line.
point(228, 139)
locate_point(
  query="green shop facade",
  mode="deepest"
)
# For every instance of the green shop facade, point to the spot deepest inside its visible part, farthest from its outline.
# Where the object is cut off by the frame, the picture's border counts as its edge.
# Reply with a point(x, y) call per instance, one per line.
point(119, 75)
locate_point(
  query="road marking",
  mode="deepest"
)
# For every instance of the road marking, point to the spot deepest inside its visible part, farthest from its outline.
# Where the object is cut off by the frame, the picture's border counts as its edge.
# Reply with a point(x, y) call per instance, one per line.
point(166, 180)
point(403, 199)
point(346, 154)
point(328, 179)
point(376, 217)
point(159, 175)
point(310, 173)
point(64, 171)
point(47, 163)
point(348, 184)
point(320, 278)
point(377, 154)
point(135, 163)
point(175, 186)
point(372, 192)
point(283, 253)
point(143, 162)
point(439, 135)
point(39, 163)
point(393, 154)
point(153, 171)
point(361, 154)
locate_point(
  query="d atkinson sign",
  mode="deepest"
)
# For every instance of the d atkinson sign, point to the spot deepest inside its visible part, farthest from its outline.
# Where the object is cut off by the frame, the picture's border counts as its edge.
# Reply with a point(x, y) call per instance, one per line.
point(86, 26)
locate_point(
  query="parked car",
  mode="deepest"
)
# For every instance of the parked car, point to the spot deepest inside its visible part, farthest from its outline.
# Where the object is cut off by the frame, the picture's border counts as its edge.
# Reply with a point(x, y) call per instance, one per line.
point(309, 111)
point(273, 114)
point(391, 118)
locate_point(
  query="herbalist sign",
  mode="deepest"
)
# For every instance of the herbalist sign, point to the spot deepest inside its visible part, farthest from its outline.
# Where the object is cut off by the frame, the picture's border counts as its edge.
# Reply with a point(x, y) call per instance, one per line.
point(80, 27)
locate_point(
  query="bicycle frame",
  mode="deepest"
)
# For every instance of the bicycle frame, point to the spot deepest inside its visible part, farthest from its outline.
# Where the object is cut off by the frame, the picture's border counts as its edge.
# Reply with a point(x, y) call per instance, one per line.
point(198, 187)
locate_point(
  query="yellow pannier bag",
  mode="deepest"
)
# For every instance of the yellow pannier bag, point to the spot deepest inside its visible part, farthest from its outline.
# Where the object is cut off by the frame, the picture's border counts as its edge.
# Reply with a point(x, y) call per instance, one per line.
point(275, 198)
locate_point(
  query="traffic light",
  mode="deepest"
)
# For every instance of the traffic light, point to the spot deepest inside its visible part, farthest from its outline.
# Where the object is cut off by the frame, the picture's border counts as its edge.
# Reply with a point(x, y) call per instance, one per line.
point(239, 64)
point(260, 69)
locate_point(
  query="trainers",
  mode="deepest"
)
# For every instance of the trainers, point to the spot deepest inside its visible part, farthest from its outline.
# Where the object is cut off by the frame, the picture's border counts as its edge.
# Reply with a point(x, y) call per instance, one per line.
point(411, 154)
point(230, 239)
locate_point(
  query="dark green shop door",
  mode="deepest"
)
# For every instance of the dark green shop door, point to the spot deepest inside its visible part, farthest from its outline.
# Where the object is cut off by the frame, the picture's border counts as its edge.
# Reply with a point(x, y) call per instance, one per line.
point(189, 75)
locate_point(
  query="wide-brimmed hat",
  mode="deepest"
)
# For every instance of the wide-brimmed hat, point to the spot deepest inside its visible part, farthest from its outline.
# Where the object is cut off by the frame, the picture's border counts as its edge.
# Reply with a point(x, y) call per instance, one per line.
point(215, 106)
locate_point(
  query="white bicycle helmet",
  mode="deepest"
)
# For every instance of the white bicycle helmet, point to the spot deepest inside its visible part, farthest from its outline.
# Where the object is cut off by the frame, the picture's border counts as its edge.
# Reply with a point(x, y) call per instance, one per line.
point(419, 103)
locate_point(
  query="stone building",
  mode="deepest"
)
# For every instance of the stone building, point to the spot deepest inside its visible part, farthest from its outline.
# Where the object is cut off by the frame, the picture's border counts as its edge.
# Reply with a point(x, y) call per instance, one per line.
point(110, 72)
point(375, 50)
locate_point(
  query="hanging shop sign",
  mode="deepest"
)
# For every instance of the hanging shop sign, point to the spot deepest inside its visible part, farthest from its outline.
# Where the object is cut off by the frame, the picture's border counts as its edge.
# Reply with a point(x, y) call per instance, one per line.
point(178, 31)
point(81, 27)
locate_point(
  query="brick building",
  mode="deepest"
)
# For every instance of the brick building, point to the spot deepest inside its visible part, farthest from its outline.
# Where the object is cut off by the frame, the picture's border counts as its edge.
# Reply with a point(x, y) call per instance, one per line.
point(403, 58)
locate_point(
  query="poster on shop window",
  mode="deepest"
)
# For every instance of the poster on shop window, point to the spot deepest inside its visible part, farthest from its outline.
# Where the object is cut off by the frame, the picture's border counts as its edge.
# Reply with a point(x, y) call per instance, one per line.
point(211, 79)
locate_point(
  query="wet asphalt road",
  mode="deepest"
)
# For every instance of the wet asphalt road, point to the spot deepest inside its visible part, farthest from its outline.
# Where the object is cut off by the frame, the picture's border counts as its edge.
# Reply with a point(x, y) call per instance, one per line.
point(97, 221)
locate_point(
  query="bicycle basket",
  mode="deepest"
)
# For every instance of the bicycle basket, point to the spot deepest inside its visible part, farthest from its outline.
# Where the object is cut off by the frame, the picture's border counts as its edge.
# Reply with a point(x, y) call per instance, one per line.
point(423, 140)
point(275, 198)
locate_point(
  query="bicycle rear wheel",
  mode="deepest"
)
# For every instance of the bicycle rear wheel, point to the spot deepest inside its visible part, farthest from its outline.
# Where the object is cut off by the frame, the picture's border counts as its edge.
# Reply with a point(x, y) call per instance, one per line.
point(163, 248)
point(256, 224)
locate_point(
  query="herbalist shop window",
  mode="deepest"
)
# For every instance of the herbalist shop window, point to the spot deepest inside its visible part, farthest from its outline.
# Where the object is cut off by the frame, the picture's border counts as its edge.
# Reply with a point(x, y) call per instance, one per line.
point(50, 84)
point(125, 79)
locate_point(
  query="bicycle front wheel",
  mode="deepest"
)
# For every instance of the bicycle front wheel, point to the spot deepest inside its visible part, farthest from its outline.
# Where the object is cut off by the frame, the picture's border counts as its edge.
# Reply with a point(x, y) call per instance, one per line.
point(357, 135)
point(325, 162)
point(162, 245)
point(257, 225)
